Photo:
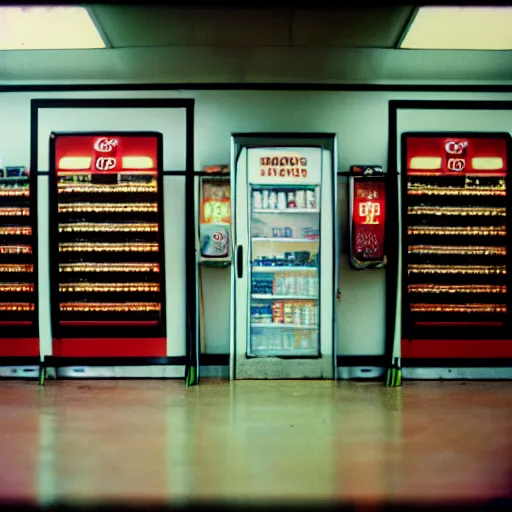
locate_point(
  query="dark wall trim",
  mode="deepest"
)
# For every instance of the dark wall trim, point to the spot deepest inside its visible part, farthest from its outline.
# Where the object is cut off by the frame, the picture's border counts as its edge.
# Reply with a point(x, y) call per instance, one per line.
point(227, 86)
point(377, 360)
point(165, 103)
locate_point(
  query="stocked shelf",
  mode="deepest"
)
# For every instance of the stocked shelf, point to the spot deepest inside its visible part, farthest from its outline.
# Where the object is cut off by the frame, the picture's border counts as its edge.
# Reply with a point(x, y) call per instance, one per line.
point(107, 244)
point(275, 297)
point(17, 271)
point(270, 268)
point(455, 249)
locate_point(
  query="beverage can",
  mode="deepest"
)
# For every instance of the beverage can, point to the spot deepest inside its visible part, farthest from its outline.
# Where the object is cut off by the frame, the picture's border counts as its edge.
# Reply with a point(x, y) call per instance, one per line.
point(288, 313)
point(277, 312)
point(291, 285)
point(287, 232)
point(277, 232)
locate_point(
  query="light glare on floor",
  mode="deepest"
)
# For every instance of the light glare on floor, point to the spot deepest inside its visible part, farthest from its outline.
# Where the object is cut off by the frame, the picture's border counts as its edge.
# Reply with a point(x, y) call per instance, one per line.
point(460, 28)
point(47, 28)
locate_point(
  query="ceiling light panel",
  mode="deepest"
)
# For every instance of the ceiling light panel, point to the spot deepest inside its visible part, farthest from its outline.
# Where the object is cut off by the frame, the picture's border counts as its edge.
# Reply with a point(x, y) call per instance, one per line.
point(47, 28)
point(460, 28)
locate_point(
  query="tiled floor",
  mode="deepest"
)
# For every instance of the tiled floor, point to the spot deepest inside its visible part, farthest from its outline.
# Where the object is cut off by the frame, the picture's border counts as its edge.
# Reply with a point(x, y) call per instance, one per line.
point(157, 440)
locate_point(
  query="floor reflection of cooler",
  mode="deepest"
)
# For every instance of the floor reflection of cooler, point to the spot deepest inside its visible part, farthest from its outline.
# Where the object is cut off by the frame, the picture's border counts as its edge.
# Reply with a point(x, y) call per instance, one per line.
point(284, 243)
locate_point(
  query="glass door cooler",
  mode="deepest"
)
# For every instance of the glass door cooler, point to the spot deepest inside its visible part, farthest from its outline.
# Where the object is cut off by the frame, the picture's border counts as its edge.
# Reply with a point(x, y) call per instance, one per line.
point(107, 261)
point(18, 244)
point(455, 246)
point(284, 260)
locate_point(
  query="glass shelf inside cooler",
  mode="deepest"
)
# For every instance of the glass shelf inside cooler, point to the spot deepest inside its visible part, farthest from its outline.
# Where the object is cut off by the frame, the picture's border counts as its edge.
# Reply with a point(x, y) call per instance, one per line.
point(285, 239)
point(264, 296)
point(270, 269)
point(286, 210)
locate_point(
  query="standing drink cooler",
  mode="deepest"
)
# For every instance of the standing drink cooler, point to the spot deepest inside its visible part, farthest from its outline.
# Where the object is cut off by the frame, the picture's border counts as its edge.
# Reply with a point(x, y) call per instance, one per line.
point(285, 255)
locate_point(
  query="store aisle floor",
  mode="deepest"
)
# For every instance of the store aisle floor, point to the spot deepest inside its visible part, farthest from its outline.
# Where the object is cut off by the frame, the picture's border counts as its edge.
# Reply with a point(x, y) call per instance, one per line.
point(134, 441)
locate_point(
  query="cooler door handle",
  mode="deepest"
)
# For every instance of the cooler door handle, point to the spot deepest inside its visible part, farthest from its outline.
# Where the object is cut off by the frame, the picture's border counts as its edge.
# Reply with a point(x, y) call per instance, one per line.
point(239, 261)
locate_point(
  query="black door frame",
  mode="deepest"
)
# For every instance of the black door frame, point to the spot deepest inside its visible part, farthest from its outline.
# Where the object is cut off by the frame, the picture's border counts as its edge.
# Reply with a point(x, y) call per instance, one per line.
point(190, 235)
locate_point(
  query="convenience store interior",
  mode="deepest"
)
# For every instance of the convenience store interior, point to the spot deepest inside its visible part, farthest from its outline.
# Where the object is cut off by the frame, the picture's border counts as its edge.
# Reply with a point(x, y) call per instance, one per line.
point(118, 434)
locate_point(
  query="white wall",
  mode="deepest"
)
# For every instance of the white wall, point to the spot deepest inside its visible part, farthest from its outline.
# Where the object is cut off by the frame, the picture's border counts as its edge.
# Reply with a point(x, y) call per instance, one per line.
point(360, 120)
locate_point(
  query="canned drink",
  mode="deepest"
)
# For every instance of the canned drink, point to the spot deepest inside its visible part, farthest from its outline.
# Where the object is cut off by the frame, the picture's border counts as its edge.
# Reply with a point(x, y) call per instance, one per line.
point(288, 313)
point(277, 312)
point(272, 200)
point(305, 341)
point(287, 232)
point(256, 200)
point(310, 200)
point(265, 199)
point(297, 314)
point(301, 199)
point(277, 232)
point(291, 285)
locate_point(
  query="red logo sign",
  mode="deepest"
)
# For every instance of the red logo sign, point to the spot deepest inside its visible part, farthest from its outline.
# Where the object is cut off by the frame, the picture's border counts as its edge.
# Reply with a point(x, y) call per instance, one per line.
point(104, 163)
point(456, 155)
point(105, 145)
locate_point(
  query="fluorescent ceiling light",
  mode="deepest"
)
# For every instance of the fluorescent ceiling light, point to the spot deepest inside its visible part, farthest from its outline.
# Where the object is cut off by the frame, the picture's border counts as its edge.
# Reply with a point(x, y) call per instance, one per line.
point(47, 28)
point(460, 28)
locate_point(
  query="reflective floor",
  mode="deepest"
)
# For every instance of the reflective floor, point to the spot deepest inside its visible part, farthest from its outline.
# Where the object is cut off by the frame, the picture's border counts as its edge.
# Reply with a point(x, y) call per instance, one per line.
point(276, 440)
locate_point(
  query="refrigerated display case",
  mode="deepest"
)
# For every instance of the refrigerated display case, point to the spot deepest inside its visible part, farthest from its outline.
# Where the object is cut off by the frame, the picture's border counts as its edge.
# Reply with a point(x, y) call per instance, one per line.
point(19, 335)
point(283, 278)
point(455, 242)
point(106, 244)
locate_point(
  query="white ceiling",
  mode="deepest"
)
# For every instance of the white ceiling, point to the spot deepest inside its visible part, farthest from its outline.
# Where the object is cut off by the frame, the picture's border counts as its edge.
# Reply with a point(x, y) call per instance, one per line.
point(157, 44)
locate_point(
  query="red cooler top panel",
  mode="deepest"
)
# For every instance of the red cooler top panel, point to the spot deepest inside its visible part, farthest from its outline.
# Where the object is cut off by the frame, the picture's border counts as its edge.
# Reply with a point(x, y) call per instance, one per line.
point(485, 156)
point(105, 154)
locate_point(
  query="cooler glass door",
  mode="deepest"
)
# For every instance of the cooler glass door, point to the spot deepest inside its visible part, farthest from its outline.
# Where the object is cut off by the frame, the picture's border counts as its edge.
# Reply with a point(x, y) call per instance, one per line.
point(284, 197)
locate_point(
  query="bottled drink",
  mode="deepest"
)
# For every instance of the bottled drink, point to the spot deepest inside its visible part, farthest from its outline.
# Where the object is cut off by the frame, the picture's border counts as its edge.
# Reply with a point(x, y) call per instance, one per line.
point(306, 314)
point(288, 313)
point(297, 313)
point(312, 288)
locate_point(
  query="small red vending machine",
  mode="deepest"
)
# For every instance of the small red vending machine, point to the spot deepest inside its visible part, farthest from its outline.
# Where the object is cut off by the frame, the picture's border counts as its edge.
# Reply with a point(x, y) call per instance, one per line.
point(367, 215)
point(106, 245)
point(19, 336)
point(455, 249)
point(215, 217)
